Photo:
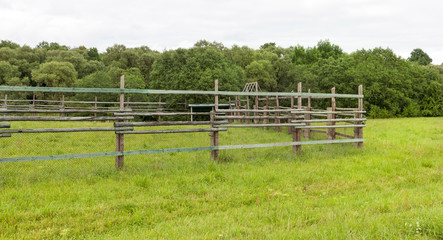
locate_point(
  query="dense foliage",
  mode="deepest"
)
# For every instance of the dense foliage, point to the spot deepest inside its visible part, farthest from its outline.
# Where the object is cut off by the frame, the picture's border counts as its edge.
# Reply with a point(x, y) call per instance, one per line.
point(393, 86)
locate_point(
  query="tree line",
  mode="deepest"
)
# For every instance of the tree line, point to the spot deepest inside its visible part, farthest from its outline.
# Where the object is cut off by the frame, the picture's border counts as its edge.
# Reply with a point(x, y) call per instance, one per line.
point(393, 86)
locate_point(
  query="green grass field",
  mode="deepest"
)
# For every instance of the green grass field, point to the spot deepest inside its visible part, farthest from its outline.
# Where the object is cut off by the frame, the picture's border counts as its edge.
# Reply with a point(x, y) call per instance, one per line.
point(390, 189)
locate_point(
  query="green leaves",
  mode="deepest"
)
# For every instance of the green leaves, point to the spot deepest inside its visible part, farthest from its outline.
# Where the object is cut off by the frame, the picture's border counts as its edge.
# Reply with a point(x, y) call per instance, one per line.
point(420, 57)
point(55, 74)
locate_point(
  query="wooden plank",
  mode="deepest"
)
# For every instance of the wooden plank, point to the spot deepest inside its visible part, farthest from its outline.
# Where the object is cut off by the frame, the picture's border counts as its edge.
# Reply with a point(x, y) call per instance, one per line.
point(336, 126)
point(5, 125)
point(332, 120)
point(61, 111)
point(155, 91)
point(38, 118)
point(253, 117)
point(57, 130)
point(168, 123)
point(5, 135)
point(173, 131)
point(171, 150)
point(328, 112)
point(255, 110)
point(260, 125)
point(159, 113)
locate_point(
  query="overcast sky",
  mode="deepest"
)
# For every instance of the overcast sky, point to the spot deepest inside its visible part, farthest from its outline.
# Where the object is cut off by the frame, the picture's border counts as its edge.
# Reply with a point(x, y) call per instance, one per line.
point(401, 25)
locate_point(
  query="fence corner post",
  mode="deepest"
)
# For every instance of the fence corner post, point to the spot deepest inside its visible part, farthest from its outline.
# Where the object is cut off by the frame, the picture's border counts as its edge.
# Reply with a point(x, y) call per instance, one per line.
point(120, 140)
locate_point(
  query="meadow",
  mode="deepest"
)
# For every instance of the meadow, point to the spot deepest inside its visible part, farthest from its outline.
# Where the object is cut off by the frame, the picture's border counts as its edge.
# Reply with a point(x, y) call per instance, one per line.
point(390, 189)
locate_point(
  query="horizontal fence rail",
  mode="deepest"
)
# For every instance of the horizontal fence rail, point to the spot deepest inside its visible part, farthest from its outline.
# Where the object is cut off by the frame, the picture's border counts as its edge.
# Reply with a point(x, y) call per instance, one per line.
point(55, 130)
point(173, 92)
point(172, 150)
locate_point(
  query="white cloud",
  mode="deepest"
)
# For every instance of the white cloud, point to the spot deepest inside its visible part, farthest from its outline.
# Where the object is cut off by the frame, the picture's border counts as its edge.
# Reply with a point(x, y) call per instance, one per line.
point(351, 24)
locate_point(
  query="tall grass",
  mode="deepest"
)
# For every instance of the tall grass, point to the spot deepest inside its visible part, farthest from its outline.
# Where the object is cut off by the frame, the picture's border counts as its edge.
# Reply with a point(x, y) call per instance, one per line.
point(392, 188)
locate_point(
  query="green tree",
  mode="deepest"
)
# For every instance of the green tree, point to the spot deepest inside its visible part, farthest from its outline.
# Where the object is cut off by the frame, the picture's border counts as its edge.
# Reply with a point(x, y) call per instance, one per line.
point(9, 44)
point(262, 71)
point(7, 71)
point(99, 79)
point(195, 69)
point(93, 54)
point(55, 74)
point(420, 57)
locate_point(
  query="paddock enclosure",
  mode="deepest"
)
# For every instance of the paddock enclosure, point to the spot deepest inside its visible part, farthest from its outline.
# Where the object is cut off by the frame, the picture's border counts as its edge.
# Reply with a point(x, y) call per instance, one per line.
point(295, 112)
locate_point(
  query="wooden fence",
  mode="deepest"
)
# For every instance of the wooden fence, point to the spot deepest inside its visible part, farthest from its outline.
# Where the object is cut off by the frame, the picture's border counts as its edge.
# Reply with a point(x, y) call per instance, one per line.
point(297, 118)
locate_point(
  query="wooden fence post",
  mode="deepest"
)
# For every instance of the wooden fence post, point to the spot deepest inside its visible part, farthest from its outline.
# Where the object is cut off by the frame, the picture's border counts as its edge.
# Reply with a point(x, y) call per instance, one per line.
point(33, 104)
point(331, 131)
point(119, 143)
point(238, 107)
point(62, 107)
point(256, 108)
point(277, 114)
point(95, 106)
point(289, 120)
point(230, 108)
point(308, 117)
point(266, 113)
point(214, 135)
point(298, 130)
point(248, 121)
point(358, 132)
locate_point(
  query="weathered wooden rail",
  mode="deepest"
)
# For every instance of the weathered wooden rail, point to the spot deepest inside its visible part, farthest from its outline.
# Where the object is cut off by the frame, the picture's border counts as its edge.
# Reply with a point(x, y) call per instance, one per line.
point(296, 117)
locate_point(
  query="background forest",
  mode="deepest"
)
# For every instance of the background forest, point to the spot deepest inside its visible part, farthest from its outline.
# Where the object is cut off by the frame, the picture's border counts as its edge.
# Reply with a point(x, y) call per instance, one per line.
point(393, 86)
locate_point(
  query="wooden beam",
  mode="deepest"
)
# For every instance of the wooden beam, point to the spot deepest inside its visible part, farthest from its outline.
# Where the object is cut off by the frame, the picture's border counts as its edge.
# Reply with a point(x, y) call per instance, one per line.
point(275, 117)
point(194, 130)
point(260, 125)
point(39, 118)
point(57, 130)
point(332, 120)
point(168, 123)
point(159, 113)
